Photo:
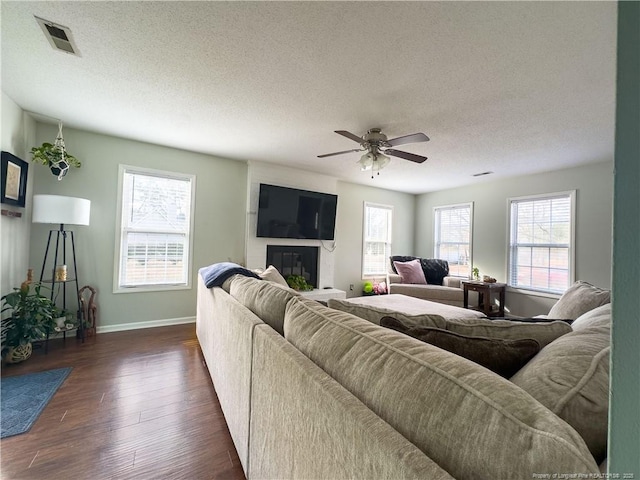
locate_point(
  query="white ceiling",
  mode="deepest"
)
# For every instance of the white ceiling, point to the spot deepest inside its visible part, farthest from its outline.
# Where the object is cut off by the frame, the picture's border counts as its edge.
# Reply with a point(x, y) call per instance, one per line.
point(509, 87)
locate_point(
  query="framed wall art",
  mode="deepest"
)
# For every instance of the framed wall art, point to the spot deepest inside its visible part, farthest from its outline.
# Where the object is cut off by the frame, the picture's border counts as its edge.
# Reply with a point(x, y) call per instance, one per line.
point(14, 180)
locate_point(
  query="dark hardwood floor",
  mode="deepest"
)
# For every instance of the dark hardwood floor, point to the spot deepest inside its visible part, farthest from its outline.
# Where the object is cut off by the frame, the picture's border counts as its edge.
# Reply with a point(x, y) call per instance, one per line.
point(138, 405)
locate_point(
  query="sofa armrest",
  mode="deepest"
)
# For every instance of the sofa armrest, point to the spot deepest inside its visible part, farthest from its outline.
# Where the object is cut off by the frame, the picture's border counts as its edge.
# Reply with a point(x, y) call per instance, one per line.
point(393, 278)
point(455, 282)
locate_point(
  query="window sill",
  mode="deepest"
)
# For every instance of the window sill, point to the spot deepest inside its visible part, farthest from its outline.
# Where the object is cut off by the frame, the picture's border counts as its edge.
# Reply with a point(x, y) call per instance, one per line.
point(151, 288)
point(533, 293)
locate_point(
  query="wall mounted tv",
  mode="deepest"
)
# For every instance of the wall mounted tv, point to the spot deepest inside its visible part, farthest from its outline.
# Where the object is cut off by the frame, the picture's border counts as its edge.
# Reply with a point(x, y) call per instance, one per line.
point(291, 213)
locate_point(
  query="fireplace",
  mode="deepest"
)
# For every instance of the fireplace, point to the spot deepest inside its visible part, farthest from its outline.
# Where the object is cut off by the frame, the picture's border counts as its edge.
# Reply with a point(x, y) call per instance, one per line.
point(295, 260)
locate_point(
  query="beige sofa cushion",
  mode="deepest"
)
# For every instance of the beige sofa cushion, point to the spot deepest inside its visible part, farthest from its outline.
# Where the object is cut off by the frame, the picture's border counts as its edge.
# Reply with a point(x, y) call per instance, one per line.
point(435, 293)
point(305, 425)
point(505, 357)
point(419, 311)
point(459, 320)
point(579, 299)
point(472, 422)
point(273, 275)
point(571, 377)
point(265, 299)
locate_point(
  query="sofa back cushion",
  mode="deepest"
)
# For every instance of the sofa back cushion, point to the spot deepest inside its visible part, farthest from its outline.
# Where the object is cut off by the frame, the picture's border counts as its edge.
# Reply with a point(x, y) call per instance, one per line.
point(272, 274)
point(434, 269)
point(505, 357)
point(578, 299)
point(265, 299)
point(472, 422)
point(543, 333)
point(571, 377)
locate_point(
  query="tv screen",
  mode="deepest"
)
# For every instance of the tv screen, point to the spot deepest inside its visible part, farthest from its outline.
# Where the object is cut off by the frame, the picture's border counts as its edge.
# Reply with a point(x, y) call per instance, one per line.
point(291, 213)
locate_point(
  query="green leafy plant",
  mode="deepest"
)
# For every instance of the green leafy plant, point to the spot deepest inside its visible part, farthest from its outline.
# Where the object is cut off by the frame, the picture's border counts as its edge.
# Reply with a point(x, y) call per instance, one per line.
point(48, 154)
point(298, 282)
point(31, 314)
point(475, 272)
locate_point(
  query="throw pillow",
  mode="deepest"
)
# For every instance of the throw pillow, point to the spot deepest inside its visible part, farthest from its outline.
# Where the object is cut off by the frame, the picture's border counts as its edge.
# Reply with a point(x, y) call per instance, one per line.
point(273, 275)
point(579, 299)
point(504, 357)
point(570, 377)
point(543, 333)
point(434, 270)
point(411, 272)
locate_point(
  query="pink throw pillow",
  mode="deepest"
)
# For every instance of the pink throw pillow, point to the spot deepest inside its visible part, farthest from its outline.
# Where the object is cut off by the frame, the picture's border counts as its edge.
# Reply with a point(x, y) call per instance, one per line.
point(411, 272)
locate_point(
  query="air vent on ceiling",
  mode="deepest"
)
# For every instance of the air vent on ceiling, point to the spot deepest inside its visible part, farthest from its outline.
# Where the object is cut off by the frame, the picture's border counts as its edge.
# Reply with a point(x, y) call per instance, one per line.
point(59, 37)
point(481, 174)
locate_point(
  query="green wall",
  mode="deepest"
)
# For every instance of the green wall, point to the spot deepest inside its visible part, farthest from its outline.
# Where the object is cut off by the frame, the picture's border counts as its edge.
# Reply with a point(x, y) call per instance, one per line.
point(594, 186)
point(624, 408)
point(219, 216)
point(349, 223)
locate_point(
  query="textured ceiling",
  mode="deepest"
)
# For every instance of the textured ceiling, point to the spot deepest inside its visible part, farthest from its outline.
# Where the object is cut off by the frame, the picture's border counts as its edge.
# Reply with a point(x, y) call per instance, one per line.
point(508, 87)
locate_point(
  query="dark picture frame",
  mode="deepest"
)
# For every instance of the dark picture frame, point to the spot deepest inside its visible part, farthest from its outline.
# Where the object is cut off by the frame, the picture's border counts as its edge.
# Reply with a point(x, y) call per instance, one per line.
point(14, 180)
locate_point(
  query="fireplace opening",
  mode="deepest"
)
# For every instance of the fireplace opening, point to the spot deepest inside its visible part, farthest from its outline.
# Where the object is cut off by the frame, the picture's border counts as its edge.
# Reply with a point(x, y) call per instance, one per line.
point(295, 260)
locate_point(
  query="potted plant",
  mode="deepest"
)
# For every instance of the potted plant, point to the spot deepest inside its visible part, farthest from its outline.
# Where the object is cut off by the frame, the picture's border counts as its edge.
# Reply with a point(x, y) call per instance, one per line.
point(31, 314)
point(56, 158)
point(298, 282)
point(475, 272)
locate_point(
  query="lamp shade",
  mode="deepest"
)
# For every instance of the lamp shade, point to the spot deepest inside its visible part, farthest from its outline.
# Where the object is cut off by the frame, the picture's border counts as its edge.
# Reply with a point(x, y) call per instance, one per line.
point(60, 209)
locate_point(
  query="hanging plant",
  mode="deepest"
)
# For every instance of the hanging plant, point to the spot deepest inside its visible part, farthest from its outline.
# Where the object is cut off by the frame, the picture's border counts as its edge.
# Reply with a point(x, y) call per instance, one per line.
point(55, 156)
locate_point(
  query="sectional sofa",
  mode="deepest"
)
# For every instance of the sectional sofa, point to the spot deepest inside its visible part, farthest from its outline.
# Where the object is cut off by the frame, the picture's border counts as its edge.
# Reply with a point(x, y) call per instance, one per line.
point(313, 392)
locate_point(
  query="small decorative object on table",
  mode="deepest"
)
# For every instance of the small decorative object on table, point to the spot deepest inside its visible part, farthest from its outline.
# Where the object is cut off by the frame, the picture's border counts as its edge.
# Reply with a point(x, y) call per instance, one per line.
point(475, 273)
point(488, 279)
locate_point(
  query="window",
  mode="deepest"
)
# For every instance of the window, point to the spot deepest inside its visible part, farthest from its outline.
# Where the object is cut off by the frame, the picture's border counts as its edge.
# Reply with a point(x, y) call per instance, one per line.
point(453, 229)
point(376, 248)
point(154, 234)
point(541, 246)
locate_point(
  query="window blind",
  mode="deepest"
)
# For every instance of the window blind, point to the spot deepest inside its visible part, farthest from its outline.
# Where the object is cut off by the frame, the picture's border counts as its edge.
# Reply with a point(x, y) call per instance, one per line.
point(376, 239)
point(453, 227)
point(541, 243)
point(155, 229)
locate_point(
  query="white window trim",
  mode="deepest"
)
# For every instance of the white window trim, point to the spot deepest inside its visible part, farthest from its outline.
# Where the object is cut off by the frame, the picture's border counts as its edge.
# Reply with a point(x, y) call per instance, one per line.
point(118, 243)
point(572, 244)
point(435, 243)
point(364, 219)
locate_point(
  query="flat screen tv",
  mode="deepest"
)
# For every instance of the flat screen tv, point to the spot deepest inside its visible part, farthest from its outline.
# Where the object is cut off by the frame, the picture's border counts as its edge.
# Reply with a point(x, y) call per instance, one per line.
point(291, 213)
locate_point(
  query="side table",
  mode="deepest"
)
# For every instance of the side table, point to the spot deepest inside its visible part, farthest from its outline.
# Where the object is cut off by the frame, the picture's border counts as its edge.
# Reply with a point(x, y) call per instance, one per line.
point(486, 292)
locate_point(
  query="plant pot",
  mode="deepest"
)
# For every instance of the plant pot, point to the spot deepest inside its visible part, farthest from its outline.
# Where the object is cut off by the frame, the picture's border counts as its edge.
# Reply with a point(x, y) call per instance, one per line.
point(18, 354)
point(60, 321)
point(60, 169)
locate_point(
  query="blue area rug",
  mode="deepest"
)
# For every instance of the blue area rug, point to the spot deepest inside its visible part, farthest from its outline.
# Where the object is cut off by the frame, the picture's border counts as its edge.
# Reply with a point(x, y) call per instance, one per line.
point(24, 397)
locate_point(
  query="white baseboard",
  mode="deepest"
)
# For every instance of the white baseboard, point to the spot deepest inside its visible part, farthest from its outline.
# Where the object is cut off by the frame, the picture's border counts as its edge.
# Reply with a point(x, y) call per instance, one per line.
point(148, 324)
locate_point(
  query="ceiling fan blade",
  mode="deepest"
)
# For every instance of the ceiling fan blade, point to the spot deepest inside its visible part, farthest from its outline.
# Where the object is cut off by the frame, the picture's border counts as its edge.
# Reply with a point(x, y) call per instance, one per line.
point(413, 138)
point(339, 153)
point(405, 155)
point(350, 136)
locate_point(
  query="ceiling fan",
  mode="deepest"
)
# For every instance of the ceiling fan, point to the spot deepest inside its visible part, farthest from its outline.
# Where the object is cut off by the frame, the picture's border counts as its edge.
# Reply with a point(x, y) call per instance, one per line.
point(376, 145)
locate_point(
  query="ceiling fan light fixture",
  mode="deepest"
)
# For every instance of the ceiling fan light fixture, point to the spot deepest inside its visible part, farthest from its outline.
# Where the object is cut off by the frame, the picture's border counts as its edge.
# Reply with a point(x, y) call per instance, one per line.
point(366, 161)
point(374, 161)
point(382, 160)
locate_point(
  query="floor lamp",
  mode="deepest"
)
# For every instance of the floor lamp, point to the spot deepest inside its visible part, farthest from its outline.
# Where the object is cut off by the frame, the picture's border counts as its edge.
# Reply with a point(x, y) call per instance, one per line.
point(57, 209)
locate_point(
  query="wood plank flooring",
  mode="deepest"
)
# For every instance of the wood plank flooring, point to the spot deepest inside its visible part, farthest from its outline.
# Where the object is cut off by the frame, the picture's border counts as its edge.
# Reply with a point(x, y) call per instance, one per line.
point(137, 405)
